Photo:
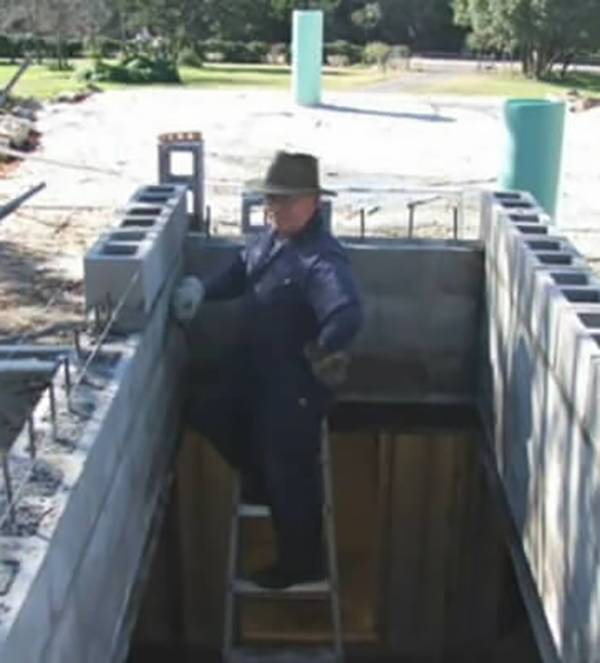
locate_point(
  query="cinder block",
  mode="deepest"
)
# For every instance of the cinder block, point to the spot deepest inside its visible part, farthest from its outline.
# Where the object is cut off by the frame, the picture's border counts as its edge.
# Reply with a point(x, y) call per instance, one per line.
point(143, 247)
point(124, 269)
point(518, 204)
point(192, 145)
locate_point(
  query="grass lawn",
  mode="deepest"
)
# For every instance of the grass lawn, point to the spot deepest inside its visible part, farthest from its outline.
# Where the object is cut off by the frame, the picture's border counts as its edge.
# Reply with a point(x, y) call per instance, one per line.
point(507, 84)
point(42, 83)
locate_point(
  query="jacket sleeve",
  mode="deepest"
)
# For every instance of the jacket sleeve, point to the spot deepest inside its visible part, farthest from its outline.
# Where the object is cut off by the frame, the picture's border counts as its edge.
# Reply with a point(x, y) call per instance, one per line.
point(333, 295)
point(229, 282)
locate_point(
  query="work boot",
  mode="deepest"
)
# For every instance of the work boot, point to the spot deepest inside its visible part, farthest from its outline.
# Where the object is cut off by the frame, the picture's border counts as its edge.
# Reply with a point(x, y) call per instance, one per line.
point(276, 577)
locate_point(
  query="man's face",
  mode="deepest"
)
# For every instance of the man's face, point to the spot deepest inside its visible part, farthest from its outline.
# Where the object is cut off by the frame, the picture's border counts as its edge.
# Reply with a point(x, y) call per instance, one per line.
point(289, 214)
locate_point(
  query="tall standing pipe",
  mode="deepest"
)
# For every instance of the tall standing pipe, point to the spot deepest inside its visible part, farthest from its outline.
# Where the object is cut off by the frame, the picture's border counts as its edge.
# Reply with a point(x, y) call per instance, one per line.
point(534, 148)
point(307, 56)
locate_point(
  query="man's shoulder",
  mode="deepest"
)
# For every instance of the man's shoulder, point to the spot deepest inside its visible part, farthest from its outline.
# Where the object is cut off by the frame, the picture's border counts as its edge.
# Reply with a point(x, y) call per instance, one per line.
point(322, 244)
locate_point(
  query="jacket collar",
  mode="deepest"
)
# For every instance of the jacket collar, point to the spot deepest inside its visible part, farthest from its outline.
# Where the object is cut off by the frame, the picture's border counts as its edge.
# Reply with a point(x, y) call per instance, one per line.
point(271, 245)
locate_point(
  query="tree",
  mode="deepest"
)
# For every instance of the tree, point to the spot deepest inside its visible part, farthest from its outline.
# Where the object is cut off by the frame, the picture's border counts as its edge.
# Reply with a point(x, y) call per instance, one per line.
point(542, 32)
point(367, 18)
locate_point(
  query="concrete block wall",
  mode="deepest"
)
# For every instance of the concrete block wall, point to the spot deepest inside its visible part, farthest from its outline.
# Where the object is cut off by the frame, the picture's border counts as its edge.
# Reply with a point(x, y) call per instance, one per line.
point(542, 390)
point(422, 303)
point(67, 598)
point(135, 257)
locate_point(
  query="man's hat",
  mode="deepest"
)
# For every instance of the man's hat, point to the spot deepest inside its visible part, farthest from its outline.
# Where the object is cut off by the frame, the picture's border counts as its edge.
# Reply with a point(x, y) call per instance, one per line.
point(290, 174)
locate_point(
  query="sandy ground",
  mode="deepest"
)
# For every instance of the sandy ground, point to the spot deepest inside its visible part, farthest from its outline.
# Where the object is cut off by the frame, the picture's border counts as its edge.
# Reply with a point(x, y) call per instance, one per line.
point(378, 150)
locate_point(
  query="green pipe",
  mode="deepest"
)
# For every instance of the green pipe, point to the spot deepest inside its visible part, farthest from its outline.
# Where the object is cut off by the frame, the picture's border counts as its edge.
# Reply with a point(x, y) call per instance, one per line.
point(534, 149)
point(307, 56)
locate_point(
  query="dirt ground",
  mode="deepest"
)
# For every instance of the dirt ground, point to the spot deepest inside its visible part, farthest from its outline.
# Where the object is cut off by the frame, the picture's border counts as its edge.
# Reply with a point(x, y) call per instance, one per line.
point(379, 151)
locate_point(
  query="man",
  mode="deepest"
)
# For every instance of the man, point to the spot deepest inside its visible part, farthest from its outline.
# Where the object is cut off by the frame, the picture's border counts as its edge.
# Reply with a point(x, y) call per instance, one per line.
point(300, 312)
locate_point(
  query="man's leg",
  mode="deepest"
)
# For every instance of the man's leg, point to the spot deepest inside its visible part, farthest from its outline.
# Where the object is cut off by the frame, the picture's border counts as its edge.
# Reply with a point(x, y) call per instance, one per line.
point(219, 414)
point(288, 434)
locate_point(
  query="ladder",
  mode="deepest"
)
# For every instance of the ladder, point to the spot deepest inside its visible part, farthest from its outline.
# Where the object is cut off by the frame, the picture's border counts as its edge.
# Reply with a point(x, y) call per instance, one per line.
point(238, 588)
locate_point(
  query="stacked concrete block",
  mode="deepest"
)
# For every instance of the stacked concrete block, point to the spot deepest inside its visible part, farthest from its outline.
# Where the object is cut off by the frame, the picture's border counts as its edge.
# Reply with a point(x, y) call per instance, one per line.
point(71, 597)
point(134, 259)
point(255, 202)
point(190, 144)
point(542, 312)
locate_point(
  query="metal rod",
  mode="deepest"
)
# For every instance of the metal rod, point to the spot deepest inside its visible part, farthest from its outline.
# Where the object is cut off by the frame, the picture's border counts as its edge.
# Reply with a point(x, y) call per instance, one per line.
point(109, 306)
point(362, 222)
point(102, 337)
point(8, 484)
point(67, 369)
point(207, 222)
point(455, 221)
point(31, 435)
point(52, 398)
point(15, 203)
point(411, 219)
point(97, 318)
point(18, 154)
point(77, 343)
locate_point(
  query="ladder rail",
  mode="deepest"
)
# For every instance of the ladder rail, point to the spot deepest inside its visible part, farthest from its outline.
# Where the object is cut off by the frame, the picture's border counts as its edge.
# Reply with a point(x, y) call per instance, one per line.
point(329, 519)
point(232, 564)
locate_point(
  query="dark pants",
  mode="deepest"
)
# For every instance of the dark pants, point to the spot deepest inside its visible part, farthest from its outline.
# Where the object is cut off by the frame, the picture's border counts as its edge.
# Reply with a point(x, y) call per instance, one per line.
point(269, 427)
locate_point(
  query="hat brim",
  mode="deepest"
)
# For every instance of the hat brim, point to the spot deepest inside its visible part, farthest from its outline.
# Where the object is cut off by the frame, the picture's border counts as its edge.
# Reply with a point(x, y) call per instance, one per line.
point(260, 186)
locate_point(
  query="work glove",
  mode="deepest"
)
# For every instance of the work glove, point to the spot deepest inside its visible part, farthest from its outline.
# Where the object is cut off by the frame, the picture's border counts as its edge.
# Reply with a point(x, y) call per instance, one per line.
point(187, 297)
point(330, 368)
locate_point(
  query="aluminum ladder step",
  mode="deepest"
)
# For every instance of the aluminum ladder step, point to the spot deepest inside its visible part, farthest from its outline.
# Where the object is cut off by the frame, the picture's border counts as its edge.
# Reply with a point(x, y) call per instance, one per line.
point(247, 655)
point(253, 511)
point(306, 590)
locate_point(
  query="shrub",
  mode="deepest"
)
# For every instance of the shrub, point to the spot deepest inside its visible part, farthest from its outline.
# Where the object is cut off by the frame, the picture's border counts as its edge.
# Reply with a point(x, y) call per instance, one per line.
point(279, 54)
point(343, 49)
point(11, 46)
point(257, 51)
point(73, 48)
point(399, 57)
point(190, 57)
point(376, 52)
point(103, 47)
point(136, 68)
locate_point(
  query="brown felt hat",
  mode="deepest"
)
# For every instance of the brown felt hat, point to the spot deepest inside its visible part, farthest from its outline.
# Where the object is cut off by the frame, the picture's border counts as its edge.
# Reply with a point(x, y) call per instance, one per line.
point(290, 174)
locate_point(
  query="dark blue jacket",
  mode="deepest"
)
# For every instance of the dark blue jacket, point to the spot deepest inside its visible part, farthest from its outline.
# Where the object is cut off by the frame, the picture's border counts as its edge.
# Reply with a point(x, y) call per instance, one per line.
point(295, 291)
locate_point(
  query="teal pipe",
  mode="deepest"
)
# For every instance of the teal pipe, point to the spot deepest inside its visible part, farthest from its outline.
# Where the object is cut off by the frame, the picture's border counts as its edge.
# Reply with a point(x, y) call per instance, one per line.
point(307, 56)
point(534, 149)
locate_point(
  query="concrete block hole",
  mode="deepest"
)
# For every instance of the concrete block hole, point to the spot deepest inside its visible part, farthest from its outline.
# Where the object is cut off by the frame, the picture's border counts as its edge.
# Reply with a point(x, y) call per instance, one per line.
point(144, 211)
point(119, 249)
point(511, 204)
point(507, 195)
point(569, 278)
point(531, 230)
point(153, 198)
point(590, 319)
point(543, 245)
point(139, 222)
point(159, 189)
point(524, 218)
point(181, 163)
point(582, 296)
point(129, 236)
point(554, 258)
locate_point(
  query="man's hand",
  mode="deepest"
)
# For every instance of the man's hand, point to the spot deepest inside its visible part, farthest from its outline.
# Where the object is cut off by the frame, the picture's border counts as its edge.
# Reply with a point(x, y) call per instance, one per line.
point(330, 368)
point(187, 297)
